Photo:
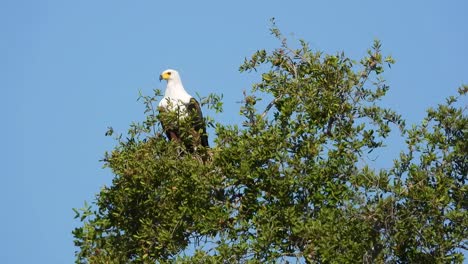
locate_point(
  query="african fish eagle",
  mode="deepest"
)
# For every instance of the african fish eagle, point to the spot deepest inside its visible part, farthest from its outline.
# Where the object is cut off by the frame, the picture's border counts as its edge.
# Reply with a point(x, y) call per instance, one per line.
point(176, 99)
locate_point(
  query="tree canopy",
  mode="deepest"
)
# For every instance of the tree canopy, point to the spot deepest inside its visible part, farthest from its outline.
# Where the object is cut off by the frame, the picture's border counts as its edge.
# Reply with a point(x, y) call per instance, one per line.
point(290, 183)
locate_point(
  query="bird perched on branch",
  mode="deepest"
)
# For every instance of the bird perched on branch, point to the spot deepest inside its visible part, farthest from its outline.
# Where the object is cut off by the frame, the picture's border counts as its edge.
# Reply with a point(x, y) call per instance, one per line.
point(178, 108)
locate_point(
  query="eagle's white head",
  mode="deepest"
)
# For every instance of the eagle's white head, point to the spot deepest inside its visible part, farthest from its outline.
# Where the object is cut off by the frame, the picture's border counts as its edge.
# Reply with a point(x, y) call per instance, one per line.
point(170, 76)
point(175, 93)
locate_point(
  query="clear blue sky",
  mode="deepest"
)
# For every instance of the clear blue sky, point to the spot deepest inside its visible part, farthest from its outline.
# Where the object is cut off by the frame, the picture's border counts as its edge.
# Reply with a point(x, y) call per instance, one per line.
point(69, 69)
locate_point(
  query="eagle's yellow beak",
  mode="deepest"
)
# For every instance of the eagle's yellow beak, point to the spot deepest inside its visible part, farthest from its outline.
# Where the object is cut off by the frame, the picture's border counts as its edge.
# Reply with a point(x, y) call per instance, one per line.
point(164, 76)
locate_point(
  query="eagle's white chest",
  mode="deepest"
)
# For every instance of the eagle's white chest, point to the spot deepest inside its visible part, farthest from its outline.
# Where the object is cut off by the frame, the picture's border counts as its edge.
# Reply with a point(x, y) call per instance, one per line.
point(175, 98)
point(174, 104)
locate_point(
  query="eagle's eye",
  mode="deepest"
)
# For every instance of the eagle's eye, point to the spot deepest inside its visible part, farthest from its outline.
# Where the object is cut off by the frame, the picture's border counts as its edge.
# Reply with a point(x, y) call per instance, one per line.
point(169, 73)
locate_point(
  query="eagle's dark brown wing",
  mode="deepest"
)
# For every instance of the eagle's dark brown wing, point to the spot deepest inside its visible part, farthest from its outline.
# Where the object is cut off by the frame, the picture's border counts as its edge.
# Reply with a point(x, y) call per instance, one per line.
point(198, 122)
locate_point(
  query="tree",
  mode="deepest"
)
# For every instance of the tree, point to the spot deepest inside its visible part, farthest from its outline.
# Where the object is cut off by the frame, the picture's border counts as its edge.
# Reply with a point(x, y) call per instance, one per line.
point(291, 183)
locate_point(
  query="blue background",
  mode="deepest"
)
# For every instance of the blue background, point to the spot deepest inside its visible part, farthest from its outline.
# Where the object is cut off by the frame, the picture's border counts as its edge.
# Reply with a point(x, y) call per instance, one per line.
point(69, 69)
